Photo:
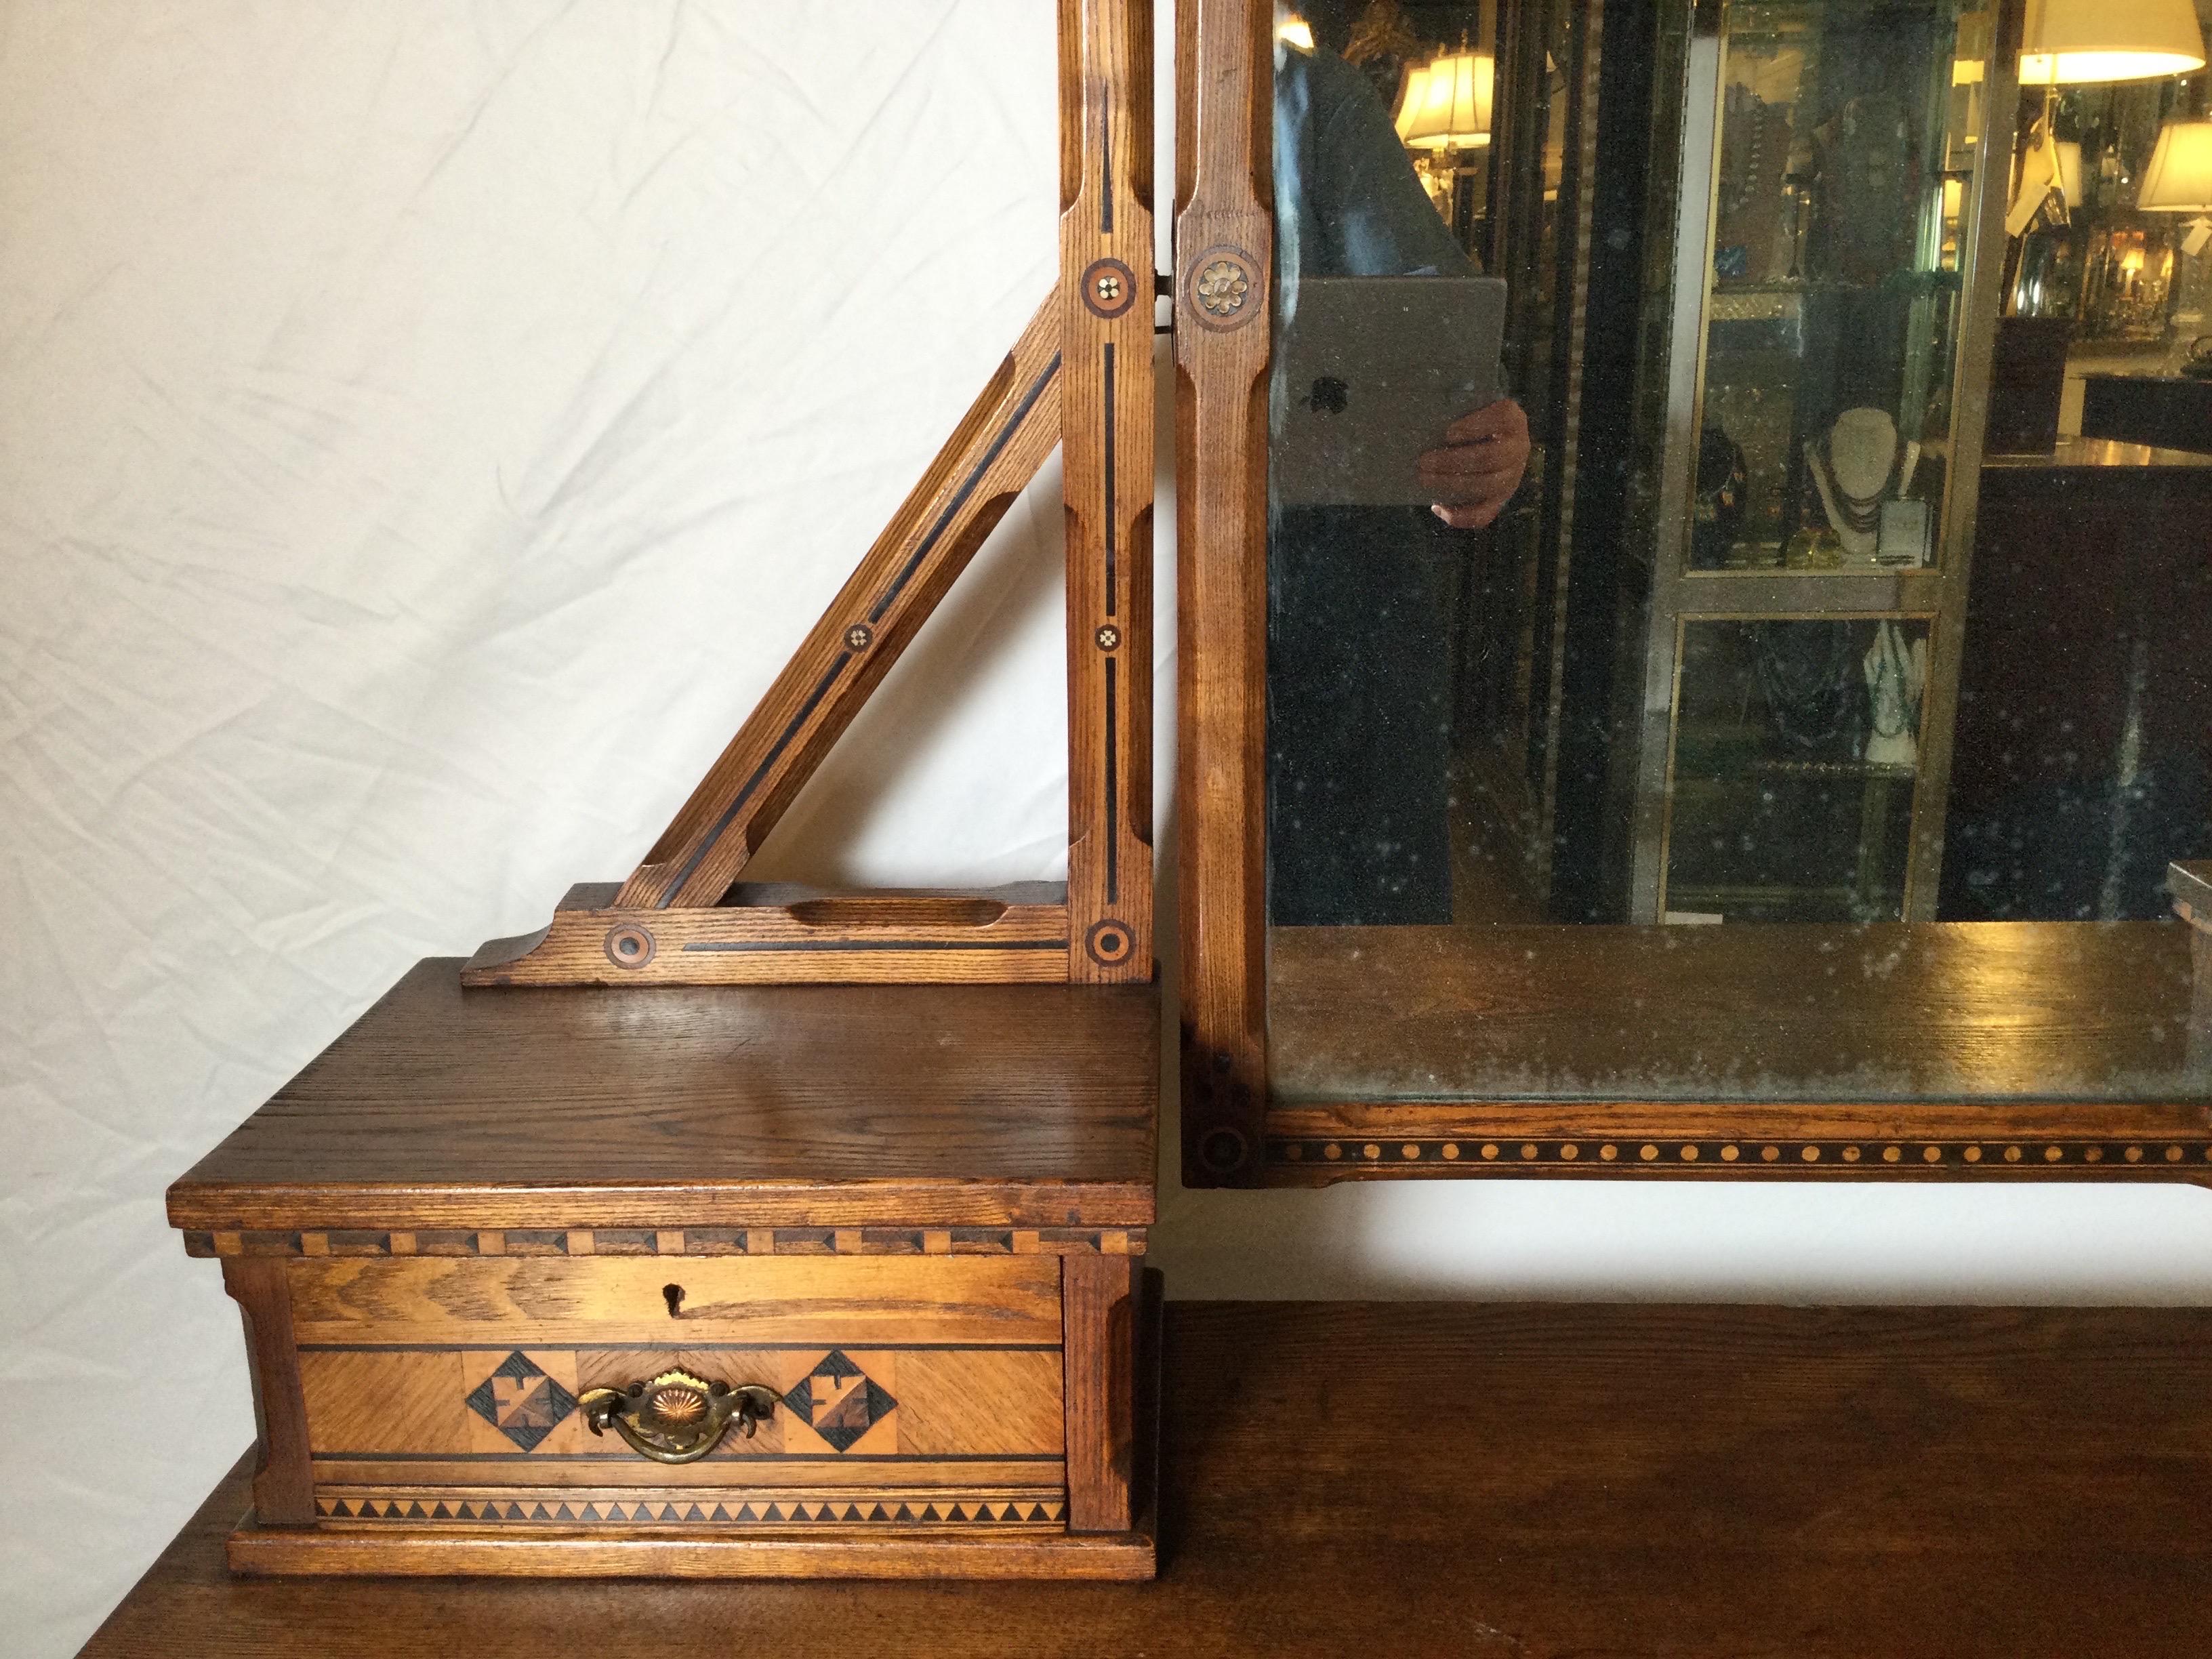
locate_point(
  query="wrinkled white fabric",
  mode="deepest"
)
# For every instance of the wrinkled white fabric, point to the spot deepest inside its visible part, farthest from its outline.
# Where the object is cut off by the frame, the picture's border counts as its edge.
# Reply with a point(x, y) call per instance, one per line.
point(425, 427)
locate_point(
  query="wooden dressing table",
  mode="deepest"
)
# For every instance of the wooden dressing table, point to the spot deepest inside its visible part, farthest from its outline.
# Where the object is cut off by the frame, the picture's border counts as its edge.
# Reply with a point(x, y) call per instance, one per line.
point(1406, 1480)
point(713, 1080)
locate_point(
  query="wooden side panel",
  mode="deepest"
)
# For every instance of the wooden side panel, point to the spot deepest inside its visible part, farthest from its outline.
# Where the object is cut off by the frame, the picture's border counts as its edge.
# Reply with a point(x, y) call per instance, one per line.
point(283, 1488)
point(1106, 323)
point(997, 448)
point(1100, 1352)
point(880, 1300)
point(1225, 244)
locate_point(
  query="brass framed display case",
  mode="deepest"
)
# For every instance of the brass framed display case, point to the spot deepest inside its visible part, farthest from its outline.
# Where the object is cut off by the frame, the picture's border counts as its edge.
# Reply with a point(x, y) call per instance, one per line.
point(1813, 524)
point(1605, 840)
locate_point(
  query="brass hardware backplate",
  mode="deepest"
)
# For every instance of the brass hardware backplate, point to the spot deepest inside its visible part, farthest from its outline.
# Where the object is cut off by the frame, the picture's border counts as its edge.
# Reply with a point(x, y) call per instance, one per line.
point(678, 1417)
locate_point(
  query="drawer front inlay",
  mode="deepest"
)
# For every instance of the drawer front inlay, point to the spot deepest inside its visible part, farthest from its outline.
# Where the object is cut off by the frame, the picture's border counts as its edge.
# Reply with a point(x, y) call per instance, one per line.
point(516, 1406)
point(911, 1393)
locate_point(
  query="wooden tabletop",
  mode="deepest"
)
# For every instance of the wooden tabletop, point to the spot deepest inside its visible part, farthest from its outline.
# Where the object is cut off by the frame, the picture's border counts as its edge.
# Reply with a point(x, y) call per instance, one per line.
point(1940, 1011)
point(1406, 1480)
point(670, 1106)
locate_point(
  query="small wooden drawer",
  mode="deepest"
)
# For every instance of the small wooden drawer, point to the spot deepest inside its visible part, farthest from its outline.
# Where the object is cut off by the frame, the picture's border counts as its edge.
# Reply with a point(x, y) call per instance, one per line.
point(911, 1392)
point(521, 1269)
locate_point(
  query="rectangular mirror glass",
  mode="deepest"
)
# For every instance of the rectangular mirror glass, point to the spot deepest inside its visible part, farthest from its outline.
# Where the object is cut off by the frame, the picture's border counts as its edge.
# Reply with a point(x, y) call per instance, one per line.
point(1818, 718)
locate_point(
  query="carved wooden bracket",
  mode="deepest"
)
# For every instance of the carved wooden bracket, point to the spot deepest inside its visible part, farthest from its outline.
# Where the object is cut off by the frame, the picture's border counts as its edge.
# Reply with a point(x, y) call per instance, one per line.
point(1080, 376)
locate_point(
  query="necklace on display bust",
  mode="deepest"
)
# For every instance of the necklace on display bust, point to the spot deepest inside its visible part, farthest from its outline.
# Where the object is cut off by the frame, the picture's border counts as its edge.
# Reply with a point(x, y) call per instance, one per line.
point(1857, 466)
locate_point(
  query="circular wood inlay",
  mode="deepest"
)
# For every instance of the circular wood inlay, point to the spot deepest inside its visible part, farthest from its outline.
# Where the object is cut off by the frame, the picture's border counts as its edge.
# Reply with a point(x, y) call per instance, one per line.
point(630, 945)
point(1110, 287)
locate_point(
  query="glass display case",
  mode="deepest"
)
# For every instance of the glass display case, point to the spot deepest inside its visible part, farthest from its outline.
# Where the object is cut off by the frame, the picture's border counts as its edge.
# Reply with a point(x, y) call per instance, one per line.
point(1795, 768)
point(1808, 555)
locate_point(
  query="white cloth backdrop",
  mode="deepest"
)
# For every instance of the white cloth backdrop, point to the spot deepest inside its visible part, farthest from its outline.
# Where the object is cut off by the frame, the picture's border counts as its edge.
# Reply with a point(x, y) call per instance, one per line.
point(424, 427)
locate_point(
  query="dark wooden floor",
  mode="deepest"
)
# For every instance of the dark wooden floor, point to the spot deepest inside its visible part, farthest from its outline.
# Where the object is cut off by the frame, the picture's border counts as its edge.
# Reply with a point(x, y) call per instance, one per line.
point(1391, 1479)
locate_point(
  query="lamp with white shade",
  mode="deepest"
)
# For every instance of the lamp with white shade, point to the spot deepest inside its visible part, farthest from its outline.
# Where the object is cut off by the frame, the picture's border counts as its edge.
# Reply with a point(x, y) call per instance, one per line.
point(2076, 42)
point(1411, 97)
point(1443, 111)
point(1447, 103)
point(2069, 42)
point(2179, 179)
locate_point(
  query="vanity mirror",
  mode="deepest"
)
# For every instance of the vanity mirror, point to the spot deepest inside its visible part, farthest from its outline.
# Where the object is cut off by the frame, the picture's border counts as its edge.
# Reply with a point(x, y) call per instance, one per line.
point(1735, 803)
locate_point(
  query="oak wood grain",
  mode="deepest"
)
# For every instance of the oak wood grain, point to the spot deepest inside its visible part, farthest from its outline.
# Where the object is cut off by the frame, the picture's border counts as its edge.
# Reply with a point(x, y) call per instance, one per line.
point(977, 1403)
point(284, 1486)
point(951, 1555)
point(1099, 1358)
point(881, 1301)
point(1225, 254)
point(1019, 936)
point(666, 1107)
point(1531, 1482)
point(1106, 449)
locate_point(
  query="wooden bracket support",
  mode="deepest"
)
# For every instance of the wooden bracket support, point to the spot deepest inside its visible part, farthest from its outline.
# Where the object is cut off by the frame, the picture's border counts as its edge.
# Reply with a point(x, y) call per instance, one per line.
point(1080, 376)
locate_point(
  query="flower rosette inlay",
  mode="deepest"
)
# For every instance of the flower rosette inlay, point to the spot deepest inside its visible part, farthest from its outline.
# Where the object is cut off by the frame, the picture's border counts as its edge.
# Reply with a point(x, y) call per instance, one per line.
point(1222, 288)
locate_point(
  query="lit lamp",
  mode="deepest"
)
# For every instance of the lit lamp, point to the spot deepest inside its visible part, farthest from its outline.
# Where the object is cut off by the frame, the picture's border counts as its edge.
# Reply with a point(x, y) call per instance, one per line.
point(1410, 100)
point(1293, 30)
point(2179, 179)
point(1444, 109)
point(2071, 41)
point(1446, 102)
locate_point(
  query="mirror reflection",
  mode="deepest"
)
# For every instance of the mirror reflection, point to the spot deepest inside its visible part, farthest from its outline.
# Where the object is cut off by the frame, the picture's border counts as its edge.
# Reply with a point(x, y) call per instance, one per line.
point(1668, 548)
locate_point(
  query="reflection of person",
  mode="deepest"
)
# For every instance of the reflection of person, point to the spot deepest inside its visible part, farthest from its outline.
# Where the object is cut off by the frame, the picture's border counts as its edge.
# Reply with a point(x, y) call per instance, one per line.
point(1359, 641)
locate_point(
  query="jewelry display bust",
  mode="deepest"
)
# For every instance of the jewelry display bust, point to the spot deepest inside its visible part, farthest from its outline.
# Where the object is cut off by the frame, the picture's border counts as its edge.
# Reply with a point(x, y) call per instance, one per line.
point(1858, 466)
point(1896, 675)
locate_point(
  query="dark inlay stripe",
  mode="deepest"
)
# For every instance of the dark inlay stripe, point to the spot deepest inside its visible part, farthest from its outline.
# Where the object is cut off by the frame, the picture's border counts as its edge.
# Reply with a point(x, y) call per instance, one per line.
point(1112, 547)
point(1113, 803)
point(906, 573)
point(1047, 945)
point(783, 743)
point(1106, 170)
point(967, 487)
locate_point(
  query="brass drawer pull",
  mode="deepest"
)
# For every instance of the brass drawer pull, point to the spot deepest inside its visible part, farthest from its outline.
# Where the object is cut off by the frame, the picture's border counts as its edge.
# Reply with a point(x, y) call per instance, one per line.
point(678, 1417)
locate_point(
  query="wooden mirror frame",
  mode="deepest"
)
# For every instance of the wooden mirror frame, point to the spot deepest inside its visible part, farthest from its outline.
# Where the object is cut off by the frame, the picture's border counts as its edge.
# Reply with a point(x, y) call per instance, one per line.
point(1238, 1128)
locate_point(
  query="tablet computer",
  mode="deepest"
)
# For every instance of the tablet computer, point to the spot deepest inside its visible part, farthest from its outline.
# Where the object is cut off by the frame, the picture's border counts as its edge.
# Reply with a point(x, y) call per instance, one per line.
point(1374, 369)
